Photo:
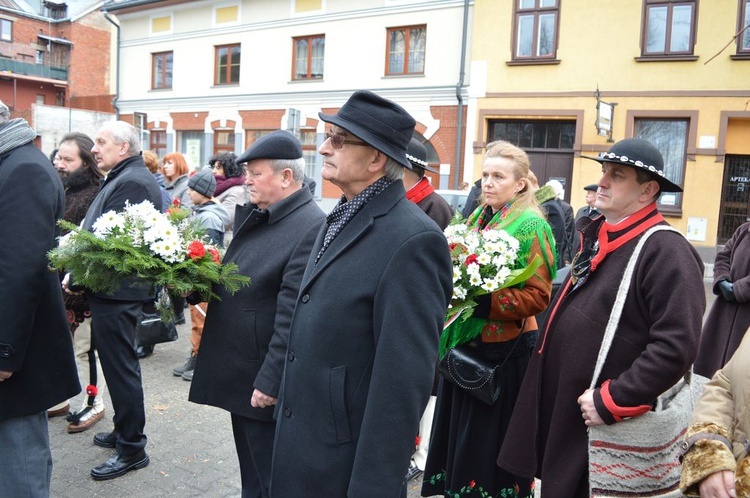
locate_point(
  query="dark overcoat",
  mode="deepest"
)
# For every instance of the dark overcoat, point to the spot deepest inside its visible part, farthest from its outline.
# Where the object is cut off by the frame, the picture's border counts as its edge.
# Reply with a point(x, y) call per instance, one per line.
point(726, 323)
point(245, 335)
point(129, 181)
point(362, 353)
point(437, 209)
point(35, 341)
point(655, 344)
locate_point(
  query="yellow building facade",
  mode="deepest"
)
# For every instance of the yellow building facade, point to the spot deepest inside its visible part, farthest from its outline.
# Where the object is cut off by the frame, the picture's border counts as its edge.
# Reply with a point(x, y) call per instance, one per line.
point(545, 73)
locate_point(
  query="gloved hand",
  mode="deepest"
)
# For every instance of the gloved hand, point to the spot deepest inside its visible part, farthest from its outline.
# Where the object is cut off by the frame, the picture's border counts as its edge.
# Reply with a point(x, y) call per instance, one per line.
point(484, 305)
point(726, 288)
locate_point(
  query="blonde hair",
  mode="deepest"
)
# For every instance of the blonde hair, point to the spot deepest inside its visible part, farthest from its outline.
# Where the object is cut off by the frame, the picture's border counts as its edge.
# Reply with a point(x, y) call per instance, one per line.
point(525, 198)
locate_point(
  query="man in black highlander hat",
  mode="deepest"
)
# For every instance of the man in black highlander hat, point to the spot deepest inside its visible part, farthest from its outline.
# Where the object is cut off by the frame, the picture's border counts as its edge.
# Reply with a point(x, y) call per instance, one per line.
point(657, 335)
point(364, 338)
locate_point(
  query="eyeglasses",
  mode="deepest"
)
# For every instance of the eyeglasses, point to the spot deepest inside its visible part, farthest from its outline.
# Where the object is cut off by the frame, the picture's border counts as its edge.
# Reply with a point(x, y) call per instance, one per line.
point(338, 141)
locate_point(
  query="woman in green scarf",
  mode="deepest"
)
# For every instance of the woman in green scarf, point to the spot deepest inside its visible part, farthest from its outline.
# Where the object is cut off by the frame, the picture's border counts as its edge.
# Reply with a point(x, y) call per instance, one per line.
point(467, 433)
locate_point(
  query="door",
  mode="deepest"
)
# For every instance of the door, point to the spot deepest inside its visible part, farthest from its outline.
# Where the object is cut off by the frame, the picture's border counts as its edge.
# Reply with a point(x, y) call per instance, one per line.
point(548, 143)
point(735, 196)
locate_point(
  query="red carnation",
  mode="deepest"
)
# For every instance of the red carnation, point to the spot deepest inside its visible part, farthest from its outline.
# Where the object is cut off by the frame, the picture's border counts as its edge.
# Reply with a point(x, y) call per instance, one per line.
point(472, 258)
point(215, 255)
point(196, 250)
point(91, 390)
point(176, 202)
point(472, 483)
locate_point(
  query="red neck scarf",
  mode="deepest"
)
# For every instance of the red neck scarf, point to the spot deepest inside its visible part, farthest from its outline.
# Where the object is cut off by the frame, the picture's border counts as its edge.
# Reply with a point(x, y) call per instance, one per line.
point(612, 236)
point(419, 191)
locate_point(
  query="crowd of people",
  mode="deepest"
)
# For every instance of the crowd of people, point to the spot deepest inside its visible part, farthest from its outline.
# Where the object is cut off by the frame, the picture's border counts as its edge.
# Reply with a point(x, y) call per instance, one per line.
point(328, 363)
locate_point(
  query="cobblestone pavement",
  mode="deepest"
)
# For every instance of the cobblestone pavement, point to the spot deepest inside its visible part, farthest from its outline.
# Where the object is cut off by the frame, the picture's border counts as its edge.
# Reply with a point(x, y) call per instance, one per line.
point(191, 446)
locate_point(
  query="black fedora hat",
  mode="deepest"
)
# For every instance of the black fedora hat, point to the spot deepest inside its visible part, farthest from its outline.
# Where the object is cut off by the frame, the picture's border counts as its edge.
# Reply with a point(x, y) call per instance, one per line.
point(416, 153)
point(640, 154)
point(381, 123)
point(591, 188)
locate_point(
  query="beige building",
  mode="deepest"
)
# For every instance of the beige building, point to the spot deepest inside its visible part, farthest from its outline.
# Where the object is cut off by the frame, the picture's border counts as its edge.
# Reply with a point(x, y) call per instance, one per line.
point(564, 79)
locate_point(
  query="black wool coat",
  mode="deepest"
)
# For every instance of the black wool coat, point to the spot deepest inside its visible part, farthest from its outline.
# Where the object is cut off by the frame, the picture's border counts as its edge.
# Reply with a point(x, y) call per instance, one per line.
point(131, 181)
point(362, 352)
point(245, 335)
point(35, 341)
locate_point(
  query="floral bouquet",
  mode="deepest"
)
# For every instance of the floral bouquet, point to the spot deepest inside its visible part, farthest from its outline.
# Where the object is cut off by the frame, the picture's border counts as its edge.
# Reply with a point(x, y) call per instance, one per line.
point(152, 247)
point(483, 262)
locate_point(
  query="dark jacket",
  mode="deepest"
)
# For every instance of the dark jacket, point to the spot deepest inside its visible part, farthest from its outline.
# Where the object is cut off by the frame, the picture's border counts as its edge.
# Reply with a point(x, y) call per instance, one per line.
point(547, 200)
point(129, 181)
point(437, 209)
point(245, 335)
point(81, 188)
point(473, 199)
point(571, 235)
point(362, 352)
point(35, 339)
point(655, 344)
point(726, 323)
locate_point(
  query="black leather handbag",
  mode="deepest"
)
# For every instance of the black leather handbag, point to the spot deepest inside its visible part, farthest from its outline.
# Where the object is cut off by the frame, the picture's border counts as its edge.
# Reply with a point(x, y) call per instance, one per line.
point(476, 376)
point(463, 367)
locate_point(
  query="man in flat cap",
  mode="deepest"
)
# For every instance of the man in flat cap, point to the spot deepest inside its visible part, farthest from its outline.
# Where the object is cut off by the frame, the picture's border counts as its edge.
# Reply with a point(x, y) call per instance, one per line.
point(589, 209)
point(657, 334)
point(245, 334)
point(364, 339)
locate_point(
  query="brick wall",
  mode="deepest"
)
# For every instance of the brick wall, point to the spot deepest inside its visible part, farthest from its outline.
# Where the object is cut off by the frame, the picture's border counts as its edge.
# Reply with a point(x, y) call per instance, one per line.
point(90, 63)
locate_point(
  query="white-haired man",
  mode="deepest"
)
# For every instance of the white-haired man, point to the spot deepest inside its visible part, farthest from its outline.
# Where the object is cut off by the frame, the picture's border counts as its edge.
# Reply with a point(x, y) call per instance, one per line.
point(114, 316)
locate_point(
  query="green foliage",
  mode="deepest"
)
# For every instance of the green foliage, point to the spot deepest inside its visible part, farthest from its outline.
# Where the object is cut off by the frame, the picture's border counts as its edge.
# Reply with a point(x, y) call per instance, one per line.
point(103, 265)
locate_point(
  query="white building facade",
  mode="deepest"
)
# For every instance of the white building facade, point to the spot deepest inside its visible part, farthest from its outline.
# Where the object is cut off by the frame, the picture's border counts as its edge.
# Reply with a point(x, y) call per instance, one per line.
point(201, 77)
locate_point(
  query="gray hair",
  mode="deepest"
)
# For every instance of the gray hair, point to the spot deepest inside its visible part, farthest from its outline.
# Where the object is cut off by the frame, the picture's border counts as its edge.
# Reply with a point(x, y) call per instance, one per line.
point(4, 113)
point(296, 165)
point(393, 170)
point(125, 132)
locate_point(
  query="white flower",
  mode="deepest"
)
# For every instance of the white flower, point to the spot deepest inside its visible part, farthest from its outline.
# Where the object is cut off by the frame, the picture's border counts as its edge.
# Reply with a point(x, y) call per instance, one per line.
point(484, 259)
point(107, 223)
point(475, 279)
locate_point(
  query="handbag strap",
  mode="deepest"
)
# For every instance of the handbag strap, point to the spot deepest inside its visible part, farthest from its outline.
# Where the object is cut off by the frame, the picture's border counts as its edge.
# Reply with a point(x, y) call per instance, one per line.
point(622, 294)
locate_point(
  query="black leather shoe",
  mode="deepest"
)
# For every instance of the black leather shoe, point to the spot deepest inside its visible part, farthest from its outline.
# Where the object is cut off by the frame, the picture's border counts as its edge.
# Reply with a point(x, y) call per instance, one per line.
point(119, 465)
point(105, 439)
point(144, 351)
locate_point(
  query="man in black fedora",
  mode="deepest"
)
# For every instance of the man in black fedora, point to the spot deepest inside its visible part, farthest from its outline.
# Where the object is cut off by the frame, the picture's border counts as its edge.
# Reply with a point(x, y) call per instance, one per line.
point(657, 334)
point(364, 338)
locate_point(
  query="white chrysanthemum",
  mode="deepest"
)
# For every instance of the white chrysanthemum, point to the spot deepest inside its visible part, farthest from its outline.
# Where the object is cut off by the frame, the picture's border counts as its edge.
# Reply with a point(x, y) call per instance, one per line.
point(502, 273)
point(456, 274)
point(144, 211)
point(459, 293)
point(484, 259)
point(472, 242)
point(107, 222)
point(475, 279)
point(490, 285)
point(473, 270)
point(168, 249)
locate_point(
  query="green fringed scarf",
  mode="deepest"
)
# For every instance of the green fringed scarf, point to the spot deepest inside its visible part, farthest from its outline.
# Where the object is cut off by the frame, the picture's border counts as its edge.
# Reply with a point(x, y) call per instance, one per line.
point(526, 226)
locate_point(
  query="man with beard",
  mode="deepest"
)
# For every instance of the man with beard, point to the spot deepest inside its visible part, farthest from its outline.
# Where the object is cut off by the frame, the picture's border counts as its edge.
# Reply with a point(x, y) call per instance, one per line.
point(77, 168)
